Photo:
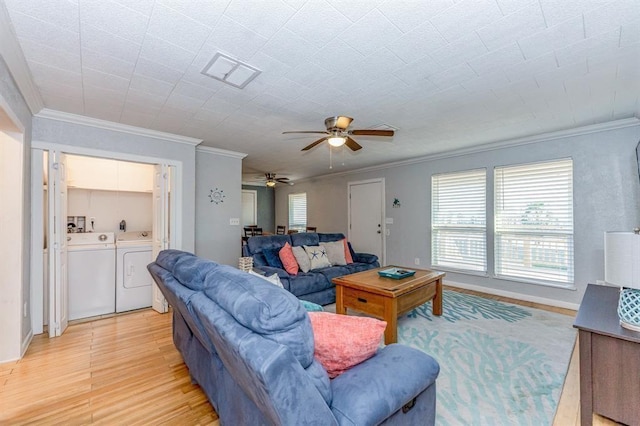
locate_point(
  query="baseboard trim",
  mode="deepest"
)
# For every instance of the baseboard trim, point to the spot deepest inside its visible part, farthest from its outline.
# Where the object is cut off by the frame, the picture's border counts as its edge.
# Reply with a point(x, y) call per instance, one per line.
point(512, 295)
point(25, 343)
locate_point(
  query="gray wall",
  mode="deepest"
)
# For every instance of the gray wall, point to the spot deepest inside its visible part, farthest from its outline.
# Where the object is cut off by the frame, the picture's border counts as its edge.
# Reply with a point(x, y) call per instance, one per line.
point(606, 198)
point(266, 207)
point(86, 136)
point(216, 239)
point(16, 102)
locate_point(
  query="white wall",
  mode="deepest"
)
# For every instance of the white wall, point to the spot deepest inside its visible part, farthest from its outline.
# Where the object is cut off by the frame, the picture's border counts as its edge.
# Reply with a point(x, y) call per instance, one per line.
point(15, 328)
point(110, 207)
point(606, 198)
point(10, 230)
point(216, 239)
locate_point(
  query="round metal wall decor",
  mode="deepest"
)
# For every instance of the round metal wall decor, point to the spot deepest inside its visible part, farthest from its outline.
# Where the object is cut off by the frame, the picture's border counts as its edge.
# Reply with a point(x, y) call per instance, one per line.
point(217, 196)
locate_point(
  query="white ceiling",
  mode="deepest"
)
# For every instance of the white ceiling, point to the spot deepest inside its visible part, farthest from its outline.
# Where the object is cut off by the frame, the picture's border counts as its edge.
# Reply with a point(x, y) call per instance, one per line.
point(447, 74)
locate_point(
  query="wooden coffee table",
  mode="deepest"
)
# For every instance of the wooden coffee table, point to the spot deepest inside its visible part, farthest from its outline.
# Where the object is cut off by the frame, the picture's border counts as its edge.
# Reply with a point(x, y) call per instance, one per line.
point(387, 298)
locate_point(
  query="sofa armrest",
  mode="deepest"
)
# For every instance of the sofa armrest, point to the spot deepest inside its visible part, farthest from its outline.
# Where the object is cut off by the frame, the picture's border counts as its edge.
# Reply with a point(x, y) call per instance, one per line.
point(372, 391)
point(366, 258)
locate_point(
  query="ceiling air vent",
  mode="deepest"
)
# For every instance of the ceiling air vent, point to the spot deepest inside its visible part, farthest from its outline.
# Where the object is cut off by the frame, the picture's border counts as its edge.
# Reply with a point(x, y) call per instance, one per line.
point(230, 71)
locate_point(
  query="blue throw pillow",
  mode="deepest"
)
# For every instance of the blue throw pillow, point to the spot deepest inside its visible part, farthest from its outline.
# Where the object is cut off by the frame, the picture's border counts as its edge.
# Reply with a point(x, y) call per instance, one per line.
point(273, 257)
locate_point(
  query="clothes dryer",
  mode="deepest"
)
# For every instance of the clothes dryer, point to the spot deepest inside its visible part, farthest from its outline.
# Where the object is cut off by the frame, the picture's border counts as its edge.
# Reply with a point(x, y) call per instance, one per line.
point(133, 281)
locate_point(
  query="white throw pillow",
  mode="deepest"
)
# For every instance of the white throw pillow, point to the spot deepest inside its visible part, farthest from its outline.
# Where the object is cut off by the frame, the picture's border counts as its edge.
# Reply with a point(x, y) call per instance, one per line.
point(301, 258)
point(335, 252)
point(317, 257)
point(273, 279)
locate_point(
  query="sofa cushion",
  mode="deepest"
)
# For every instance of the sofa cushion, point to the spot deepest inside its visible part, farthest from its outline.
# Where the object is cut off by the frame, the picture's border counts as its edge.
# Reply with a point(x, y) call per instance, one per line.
point(258, 244)
point(273, 257)
point(310, 282)
point(335, 252)
point(335, 271)
point(357, 267)
point(189, 269)
point(327, 237)
point(263, 308)
point(305, 239)
point(168, 258)
point(342, 341)
point(301, 258)
point(317, 257)
point(288, 259)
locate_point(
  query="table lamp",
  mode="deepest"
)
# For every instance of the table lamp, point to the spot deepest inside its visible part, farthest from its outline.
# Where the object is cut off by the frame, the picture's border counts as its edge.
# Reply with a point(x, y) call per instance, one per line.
point(622, 268)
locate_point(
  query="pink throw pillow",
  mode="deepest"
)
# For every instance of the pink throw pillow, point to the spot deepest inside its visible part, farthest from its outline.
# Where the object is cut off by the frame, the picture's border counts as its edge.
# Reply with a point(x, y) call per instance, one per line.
point(347, 252)
point(288, 259)
point(342, 341)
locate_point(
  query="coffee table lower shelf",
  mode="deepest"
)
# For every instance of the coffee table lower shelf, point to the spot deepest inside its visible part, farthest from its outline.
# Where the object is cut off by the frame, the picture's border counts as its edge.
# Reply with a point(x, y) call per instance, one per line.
point(387, 298)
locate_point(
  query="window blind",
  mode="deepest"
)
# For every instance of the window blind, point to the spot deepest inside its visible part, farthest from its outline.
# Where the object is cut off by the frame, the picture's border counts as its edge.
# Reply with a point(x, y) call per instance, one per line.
point(458, 220)
point(534, 221)
point(298, 211)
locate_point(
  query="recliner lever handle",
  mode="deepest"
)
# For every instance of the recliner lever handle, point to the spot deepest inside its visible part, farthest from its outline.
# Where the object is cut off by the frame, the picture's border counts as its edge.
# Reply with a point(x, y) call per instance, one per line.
point(408, 406)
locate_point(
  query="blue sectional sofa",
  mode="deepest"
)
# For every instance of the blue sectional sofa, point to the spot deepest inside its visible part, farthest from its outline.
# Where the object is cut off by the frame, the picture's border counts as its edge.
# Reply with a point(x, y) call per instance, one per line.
point(250, 347)
point(316, 285)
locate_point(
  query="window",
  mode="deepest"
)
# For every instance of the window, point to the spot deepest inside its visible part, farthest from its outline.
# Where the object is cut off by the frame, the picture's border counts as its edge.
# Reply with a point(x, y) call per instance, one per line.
point(458, 220)
point(298, 211)
point(534, 221)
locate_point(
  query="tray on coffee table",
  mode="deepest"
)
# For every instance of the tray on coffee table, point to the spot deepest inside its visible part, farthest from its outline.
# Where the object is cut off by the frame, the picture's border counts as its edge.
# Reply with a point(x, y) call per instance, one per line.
point(396, 273)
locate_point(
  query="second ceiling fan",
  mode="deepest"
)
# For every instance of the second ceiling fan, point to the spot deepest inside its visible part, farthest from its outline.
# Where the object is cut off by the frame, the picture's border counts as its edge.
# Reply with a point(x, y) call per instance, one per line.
point(337, 133)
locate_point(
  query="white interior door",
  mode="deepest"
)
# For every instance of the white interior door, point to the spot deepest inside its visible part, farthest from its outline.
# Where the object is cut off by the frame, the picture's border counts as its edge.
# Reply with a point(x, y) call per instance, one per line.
point(366, 217)
point(160, 226)
point(249, 207)
point(58, 275)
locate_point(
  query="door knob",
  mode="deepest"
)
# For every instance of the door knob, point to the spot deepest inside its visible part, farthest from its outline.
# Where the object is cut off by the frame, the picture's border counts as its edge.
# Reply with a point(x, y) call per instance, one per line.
point(379, 231)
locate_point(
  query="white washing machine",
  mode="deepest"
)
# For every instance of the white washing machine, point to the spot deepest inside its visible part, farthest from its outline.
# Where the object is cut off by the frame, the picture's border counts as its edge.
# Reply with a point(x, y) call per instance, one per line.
point(91, 274)
point(133, 281)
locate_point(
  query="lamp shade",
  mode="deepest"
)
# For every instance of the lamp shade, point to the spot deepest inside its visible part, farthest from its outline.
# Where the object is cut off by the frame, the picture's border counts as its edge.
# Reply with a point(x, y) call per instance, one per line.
point(622, 259)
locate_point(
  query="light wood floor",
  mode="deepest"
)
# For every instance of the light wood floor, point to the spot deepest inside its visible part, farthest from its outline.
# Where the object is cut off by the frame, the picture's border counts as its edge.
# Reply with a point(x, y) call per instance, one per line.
point(125, 370)
point(115, 371)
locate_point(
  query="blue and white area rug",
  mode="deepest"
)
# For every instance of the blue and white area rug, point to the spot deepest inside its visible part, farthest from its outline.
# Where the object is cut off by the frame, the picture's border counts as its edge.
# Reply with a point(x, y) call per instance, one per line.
point(500, 364)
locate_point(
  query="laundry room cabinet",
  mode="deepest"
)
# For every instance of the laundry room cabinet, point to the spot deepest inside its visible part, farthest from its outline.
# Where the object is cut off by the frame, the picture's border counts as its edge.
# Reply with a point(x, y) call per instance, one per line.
point(108, 175)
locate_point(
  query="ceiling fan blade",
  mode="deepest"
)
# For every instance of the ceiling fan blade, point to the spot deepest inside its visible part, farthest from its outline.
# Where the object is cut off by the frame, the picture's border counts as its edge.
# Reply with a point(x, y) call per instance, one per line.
point(353, 145)
point(306, 131)
point(282, 180)
point(371, 132)
point(319, 141)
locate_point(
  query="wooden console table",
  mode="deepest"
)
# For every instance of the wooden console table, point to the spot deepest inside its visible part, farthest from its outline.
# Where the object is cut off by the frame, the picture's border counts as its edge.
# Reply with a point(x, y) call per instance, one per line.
point(609, 359)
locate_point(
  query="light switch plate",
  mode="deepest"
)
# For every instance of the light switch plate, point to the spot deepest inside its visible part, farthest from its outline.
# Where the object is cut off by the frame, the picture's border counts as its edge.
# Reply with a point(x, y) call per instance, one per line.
point(388, 221)
point(234, 221)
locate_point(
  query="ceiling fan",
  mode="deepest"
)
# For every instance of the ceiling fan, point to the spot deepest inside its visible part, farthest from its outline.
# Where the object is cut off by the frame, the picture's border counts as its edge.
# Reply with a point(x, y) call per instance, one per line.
point(271, 180)
point(338, 135)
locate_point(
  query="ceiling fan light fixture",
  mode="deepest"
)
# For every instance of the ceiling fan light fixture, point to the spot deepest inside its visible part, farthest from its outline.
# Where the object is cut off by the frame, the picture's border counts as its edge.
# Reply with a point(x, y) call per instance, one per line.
point(337, 140)
point(271, 183)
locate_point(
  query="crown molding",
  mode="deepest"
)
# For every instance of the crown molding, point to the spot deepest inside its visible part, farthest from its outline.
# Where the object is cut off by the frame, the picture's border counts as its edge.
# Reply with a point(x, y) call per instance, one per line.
point(116, 127)
point(222, 152)
point(507, 143)
point(11, 52)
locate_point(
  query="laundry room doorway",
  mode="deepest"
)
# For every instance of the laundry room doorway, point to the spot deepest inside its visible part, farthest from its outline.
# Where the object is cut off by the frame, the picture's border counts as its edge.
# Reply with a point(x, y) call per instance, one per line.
point(97, 197)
